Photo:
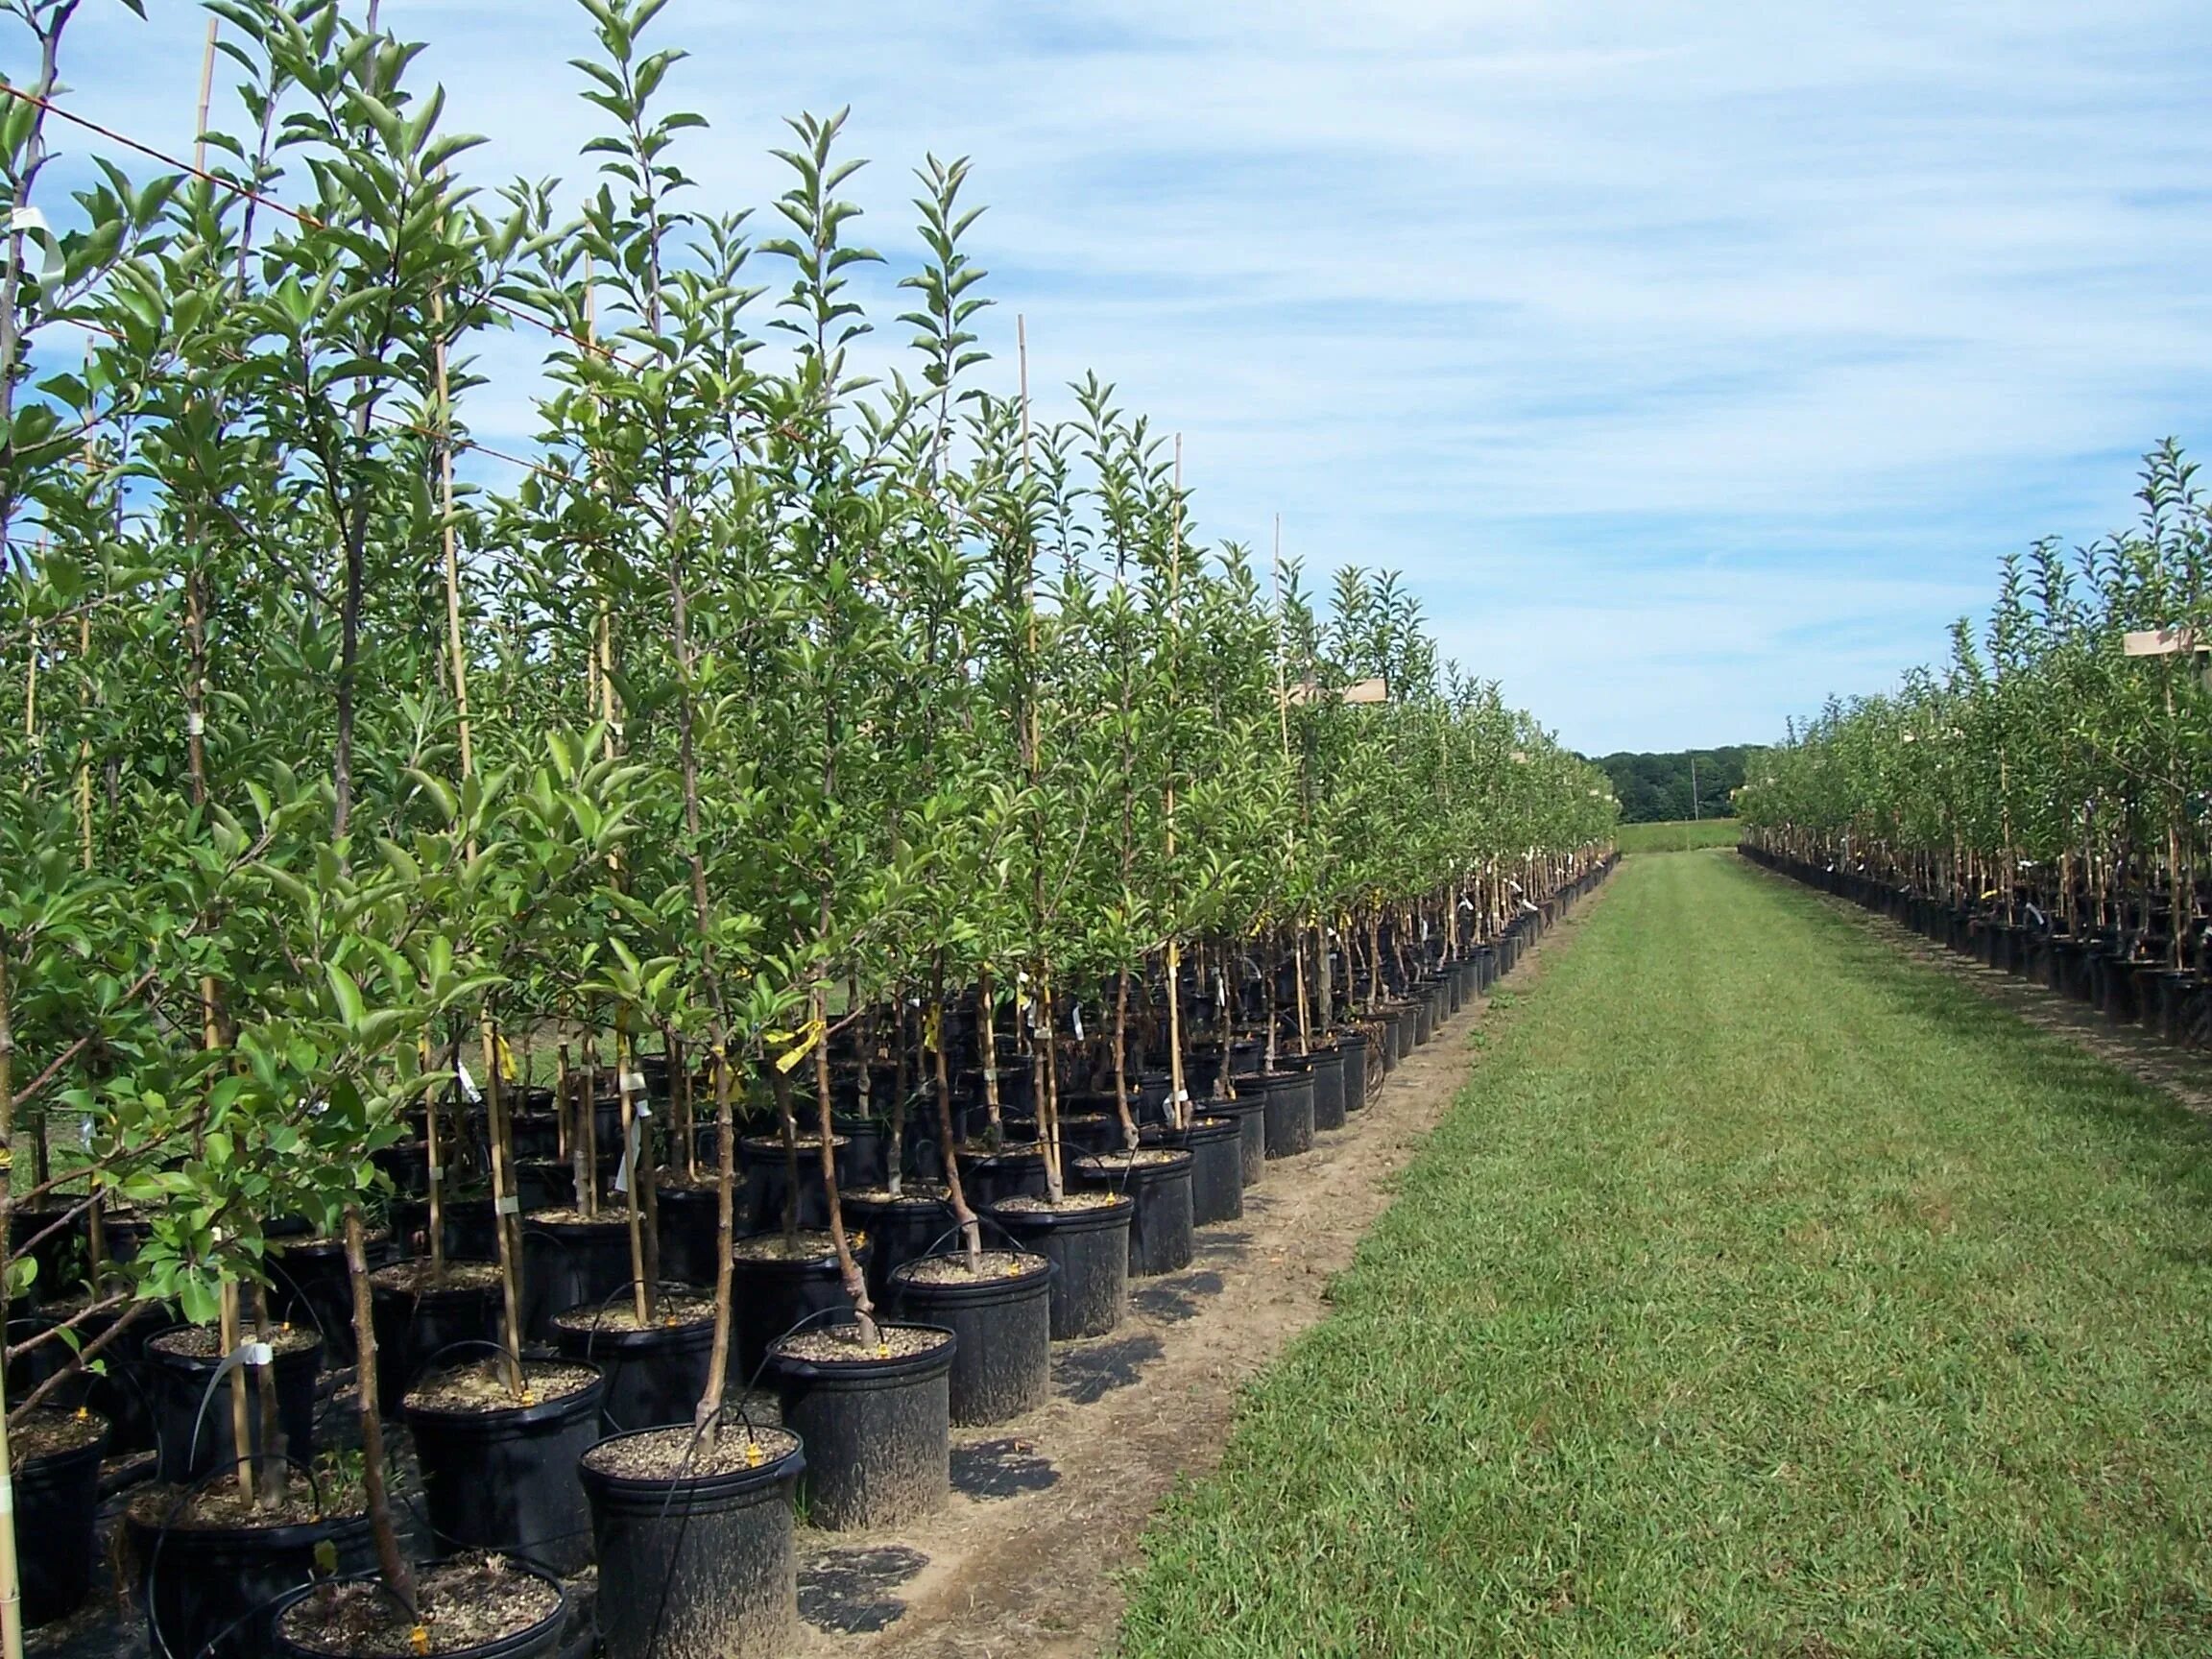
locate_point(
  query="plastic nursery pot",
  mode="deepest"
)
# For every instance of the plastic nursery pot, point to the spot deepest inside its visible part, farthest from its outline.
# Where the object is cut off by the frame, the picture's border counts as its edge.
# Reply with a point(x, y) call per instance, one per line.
point(690, 1219)
point(1157, 1180)
point(764, 1168)
point(694, 1541)
point(118, 1393)
point(655, 1376)
point(1249, 1113)
point(535, 1137)
point(899, 1228)
point(1352, 1078)
point(1326, 1068)
point(877, 1422)
point(1215, 1145)
point(307, 1279)
point(212, 1572)
point(568, 1262)
point(1085, 1134)
point(777, 1284)
point(1011, 1172)
point(531, 1628)
point(417, 1323)
point(1289, 1116)
point(1001, 1317)
point(1424, 1013)
point(180, 1363)
point(500, 1472)
point(1404, 1031)
point(54, 1461)
point(1086, 1239)
point(543, 1183)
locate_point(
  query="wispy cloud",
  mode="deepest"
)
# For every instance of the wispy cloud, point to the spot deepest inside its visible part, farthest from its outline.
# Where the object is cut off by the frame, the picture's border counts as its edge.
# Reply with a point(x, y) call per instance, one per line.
point(1692, 360)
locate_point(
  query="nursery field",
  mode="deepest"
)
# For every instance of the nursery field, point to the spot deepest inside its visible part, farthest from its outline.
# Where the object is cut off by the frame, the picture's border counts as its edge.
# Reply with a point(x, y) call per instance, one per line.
point(1766, 1292)
point(1677, 835)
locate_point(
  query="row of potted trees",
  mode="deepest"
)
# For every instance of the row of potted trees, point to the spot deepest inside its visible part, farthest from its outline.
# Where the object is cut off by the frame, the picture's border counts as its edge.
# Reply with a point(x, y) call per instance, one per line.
point(571, 934)
point(2041, 799)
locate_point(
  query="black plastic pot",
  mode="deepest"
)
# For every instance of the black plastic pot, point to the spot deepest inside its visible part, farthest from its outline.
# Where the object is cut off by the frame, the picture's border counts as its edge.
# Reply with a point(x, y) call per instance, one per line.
point(56, 1500)
point(1289, 1112)
point(541, 1641)
point(119, 1392)
point(877, 1433)
point(309, 1286)
point(1159, 1184)
point(1003, 1357)
point(992, 1177)
point(191, 1443)
point(469, 1235)
point(764, 1168)
point(570, 1264)
point(1089, 1249)
point(543, 1184)
point(1216, 1148)
point(1326, 1068)
point(1249, 1113)
point(689, 1222)
point(773, 1295)
point(899, 1228)
point(414, 1327)
point(1352, 1079)
point(505, 1479)
point(653, 1377)
point(2174, 989)
point(534, 1136)
point(696, 1564)
point(214, 1590)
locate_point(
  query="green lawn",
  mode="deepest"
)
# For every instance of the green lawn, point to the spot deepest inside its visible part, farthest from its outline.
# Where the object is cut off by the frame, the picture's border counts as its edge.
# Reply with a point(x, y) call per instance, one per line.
point(1680, 835)
point(1766, 1293)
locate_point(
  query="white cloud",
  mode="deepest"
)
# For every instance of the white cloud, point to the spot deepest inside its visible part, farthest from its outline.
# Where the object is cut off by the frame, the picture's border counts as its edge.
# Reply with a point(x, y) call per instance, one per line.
point(1639, 336)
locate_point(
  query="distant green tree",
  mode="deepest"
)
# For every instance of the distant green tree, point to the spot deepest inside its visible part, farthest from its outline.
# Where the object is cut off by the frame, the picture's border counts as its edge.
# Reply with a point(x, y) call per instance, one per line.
point(1656, 788)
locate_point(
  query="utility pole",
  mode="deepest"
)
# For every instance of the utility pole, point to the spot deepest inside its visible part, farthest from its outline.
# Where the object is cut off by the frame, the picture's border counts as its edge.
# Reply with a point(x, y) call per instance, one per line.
point(1694, 814)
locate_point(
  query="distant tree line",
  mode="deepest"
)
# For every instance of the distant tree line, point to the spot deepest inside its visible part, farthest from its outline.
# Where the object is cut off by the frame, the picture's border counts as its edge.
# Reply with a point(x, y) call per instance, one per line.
point(1656, 788)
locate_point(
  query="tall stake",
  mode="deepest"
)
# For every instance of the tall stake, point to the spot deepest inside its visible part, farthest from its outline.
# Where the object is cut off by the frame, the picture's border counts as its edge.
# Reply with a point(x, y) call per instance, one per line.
point(1178, 1096)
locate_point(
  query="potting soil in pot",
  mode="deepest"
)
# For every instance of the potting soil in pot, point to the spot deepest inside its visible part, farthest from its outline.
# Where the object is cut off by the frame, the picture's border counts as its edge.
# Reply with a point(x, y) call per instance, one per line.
point(54, 1466)
point(212, 1565)
point(467, 1604)
point(694, 1541)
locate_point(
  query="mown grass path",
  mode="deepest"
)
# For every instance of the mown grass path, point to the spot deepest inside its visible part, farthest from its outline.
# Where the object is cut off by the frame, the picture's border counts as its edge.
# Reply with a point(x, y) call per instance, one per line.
point(1765, 1295)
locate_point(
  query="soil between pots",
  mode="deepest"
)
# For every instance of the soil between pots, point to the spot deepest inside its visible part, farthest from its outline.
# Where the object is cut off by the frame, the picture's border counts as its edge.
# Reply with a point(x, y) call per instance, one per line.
point(50, 1433)
point(836, 1343)
point(674, 1452)
point(469, 1603)
point(480, 1387)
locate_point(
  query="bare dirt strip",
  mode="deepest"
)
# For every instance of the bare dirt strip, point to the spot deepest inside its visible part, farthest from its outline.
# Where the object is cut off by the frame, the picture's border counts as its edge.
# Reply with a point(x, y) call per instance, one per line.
point(1047, 1509)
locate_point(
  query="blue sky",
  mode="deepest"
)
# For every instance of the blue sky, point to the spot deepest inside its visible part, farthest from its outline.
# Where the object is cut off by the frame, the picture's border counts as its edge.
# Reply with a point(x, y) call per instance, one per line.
point(1692, 360)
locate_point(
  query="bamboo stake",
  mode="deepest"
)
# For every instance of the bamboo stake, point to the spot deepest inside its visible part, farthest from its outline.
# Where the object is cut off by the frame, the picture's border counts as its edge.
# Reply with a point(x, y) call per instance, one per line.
point(1178, 1094)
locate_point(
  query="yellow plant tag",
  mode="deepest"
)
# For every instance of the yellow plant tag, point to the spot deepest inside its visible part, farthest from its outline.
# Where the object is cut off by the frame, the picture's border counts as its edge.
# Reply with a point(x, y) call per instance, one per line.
point(507, 1070)
point(752, 1457)
point(418, 1638)
point(788, 1061)
point(933, 1030)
